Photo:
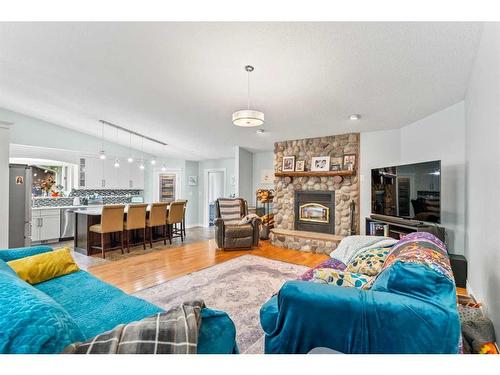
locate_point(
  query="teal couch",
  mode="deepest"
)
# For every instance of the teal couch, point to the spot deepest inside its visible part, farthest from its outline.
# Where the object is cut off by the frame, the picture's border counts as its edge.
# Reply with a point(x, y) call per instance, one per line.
point(46, 317)
point(410, 309)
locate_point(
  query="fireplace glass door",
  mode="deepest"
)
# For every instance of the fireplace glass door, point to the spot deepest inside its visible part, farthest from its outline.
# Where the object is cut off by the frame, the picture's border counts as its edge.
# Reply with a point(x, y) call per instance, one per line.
point(314, 212)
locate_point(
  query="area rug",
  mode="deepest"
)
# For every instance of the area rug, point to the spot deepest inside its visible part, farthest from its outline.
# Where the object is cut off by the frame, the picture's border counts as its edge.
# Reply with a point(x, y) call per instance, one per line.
point(239, 287)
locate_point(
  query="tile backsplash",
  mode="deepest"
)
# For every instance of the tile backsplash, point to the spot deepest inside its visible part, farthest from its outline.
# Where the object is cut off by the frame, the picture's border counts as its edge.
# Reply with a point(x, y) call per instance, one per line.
point(104, 192)
point(109, 196)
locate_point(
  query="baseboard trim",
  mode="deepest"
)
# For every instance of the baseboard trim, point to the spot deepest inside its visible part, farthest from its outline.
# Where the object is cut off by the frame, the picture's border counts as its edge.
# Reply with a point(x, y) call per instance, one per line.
point(193, 225)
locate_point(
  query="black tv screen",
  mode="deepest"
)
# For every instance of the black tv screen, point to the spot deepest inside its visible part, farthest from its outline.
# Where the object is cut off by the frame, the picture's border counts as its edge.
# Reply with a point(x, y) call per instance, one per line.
point(411, 191)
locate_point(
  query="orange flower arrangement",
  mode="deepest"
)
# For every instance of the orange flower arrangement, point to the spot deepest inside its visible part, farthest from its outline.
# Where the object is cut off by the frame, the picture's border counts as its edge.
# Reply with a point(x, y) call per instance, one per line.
point(47, 184)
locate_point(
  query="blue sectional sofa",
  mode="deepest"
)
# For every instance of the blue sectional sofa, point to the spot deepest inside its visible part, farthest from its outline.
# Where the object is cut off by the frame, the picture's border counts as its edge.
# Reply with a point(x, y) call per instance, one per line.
point(46, 317)
point(410, 308)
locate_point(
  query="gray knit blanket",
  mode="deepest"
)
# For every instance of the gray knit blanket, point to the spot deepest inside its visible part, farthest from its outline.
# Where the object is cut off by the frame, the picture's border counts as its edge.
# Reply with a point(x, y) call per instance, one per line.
point(171, 332)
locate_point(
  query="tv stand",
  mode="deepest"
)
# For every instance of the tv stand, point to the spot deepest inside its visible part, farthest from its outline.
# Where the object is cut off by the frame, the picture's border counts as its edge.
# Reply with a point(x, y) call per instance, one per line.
point(380, 225)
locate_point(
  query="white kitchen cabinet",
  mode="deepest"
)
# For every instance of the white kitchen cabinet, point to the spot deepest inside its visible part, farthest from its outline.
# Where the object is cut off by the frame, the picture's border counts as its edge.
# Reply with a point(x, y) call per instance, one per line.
point(111, 174)
point(101, 174)
point(136, 177)
point(45, 225)
point(93, 173)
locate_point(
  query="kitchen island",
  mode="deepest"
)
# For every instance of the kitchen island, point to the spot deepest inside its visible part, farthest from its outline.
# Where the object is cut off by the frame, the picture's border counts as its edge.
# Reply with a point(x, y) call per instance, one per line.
point(85, 239)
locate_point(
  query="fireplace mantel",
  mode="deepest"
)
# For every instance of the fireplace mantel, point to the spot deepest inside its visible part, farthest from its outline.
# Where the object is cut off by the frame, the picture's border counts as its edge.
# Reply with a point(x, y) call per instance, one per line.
point(315, 174)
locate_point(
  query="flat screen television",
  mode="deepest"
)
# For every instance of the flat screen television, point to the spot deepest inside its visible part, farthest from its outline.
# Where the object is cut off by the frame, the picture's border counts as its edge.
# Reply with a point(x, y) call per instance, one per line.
point(410, 191)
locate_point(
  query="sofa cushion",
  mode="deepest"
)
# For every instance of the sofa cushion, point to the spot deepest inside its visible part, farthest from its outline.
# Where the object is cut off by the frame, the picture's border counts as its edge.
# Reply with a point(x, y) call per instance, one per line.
point(98, 307)
point(369, 262)
point(31, 321)
point(22, 252)
point(41, 267)
point(238, 231)
point(95, 305)
point(340, 278)
point(4, 267)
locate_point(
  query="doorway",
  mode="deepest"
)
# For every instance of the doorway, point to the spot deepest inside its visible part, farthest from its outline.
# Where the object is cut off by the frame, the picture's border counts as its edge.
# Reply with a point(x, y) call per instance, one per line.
point(215, 187)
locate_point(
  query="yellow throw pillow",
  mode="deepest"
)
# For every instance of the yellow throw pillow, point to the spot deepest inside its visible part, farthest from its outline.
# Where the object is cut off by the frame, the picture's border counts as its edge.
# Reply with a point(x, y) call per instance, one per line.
point(43, 267)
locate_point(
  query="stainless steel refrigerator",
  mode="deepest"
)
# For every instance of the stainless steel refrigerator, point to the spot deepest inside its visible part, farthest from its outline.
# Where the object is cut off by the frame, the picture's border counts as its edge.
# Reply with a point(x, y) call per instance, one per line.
point(19, 205)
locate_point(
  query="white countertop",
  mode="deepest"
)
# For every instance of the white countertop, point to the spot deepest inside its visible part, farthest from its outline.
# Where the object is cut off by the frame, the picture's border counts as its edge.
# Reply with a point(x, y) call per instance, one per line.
point(60, 207)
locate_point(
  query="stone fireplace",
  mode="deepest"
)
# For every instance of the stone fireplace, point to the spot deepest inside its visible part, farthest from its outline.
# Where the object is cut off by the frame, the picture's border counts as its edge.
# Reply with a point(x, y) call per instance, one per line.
point(315, 211)
point(312, 212)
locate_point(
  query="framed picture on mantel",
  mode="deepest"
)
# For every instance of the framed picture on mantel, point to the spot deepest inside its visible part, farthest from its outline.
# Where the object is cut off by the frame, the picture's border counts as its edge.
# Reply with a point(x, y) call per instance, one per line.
point(288, 164)
point(300, 166)
point(320, 164)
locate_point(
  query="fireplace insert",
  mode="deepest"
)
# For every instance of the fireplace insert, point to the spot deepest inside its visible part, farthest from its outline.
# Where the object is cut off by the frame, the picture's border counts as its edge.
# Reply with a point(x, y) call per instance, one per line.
point(315, 211)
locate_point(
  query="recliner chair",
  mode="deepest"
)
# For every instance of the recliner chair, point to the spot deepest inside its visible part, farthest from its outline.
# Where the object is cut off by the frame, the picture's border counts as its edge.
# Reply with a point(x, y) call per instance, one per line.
point(229, 233)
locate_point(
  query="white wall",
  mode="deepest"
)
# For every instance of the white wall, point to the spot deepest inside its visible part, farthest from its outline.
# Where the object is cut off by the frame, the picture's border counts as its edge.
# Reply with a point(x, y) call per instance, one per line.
point(261, 161)
point(440, 136)
point(377, 149)
point(482, 108)
point(4, 184)
point(244, 174)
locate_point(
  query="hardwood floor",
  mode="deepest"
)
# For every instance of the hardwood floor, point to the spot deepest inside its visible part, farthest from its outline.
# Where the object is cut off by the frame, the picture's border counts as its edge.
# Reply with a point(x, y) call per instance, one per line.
point(144, 271)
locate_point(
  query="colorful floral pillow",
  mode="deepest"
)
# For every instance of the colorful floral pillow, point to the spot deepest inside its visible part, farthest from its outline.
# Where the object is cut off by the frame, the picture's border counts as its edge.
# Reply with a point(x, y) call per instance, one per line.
point(339, 278)
point(369, 262)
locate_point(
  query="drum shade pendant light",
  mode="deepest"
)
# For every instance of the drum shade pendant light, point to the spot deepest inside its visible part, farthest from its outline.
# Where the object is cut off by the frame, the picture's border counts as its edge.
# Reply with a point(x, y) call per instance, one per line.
point(248, 117)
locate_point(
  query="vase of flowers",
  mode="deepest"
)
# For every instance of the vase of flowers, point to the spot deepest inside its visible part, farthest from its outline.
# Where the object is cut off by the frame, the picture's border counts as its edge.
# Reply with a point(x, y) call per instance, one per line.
point(47, 184)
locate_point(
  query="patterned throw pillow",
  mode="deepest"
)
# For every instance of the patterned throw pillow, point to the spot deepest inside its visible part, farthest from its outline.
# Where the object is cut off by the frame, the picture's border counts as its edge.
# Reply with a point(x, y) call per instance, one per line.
point(369, 262)
point(339, 278)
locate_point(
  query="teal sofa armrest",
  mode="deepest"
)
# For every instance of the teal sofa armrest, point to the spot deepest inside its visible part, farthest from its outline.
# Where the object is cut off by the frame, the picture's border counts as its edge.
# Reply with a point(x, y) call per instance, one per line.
point(22, 252)
point(306, 315)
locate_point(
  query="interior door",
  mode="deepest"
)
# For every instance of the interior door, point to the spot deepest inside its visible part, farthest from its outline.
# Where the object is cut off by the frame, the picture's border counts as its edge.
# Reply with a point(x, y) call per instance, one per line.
point(216, 181)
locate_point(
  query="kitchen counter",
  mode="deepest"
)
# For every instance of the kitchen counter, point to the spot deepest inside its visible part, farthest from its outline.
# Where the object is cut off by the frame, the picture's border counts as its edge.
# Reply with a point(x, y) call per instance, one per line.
point(61, 207)
point(87, 216)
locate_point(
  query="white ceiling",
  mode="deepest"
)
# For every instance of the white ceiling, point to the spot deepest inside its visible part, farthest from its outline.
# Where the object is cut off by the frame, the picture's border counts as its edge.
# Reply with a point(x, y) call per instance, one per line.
point(180, 82)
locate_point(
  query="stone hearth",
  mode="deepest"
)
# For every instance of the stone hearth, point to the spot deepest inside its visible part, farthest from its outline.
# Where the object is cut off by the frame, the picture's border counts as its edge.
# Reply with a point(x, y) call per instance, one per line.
point(321, 243)
point(346, 190)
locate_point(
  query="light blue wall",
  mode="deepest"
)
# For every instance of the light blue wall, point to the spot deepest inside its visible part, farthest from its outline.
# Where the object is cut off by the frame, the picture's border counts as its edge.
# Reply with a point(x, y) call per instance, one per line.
point(227, 164)
point(244, 174)
point(191, 193)
point(261, 161)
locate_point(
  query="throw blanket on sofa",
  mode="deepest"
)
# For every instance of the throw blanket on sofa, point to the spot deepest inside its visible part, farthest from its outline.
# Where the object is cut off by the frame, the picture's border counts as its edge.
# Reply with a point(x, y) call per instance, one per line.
point(171, 332)
point(350, 247)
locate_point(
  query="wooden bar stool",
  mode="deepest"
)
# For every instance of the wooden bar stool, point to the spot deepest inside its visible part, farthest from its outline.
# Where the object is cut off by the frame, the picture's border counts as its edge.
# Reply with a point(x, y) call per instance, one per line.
point(157, 215)
point(111, 222)
point(136, 219)
point(175, 216)
point(183, 223)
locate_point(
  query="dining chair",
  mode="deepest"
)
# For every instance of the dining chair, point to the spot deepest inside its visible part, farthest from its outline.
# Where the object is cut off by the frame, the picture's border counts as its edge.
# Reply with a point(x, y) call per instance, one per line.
point(135, 220)
point(111, 222)
point(156, 219)
point(175, 216)
point(183, 223)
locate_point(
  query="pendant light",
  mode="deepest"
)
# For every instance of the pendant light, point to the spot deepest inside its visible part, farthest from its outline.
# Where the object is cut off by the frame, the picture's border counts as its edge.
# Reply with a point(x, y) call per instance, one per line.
point(248, 117)
point(102, 153)
point(117, 161)
point(141, 166)
point(130, 159)
point(163, 167)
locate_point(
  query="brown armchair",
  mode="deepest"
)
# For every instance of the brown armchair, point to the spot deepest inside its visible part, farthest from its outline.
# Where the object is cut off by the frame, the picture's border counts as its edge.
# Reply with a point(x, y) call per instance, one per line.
point(229, 233)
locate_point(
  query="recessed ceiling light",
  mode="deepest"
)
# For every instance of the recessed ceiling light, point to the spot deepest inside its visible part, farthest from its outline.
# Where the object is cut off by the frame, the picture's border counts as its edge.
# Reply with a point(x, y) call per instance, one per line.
point(260, 131)
point(355, 117)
